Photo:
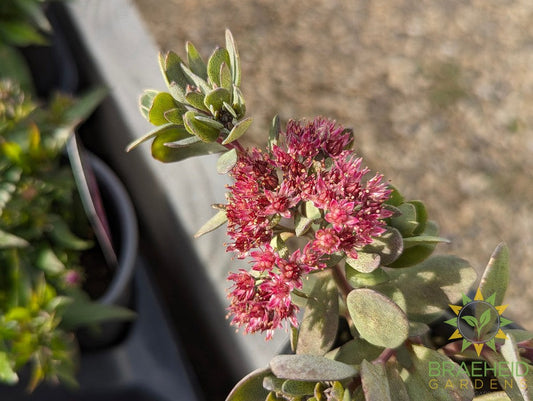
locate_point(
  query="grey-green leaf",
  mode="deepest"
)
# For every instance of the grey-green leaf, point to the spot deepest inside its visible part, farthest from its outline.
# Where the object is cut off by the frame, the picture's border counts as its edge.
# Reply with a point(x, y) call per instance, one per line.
point(495, 278)
point(170, 65)
point(212, 224)
point(234, 58)
point(199, 128)
point(161, 103)
point(374, 382)
point(216, 99)
point(145, 102)
point(377, 318)
point(432, 285)
point(419, 379)
point(196, 63)
point(164, 151)
point(227, 161)
point(310, 368)
point(388, 246)
point(238, 130)
point(218, 57)
point(250, 388)
point(318, 327)
point(152, 134)
point(365, 262)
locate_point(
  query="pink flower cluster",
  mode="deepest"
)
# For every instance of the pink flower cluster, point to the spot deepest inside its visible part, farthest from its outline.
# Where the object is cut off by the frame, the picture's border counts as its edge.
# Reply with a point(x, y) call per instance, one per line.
point(309, 165)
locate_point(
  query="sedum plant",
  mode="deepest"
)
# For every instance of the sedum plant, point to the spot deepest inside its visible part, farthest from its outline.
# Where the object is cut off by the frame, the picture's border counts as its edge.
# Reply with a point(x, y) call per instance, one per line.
point(337, 256)
point(43, 233)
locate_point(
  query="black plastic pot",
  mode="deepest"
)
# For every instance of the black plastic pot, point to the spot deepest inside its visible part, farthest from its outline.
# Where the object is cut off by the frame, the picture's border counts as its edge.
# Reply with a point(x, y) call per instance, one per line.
point(123, 222)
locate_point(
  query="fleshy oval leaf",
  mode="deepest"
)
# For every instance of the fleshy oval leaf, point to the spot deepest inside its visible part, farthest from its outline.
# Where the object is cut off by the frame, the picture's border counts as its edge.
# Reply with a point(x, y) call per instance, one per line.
point(227, 161)
point(199, 128)
point(218, 57)
point(196, 63)
point(378, 319)
point(495, 278)
point(212, 224)
point(234, 58)
point(365, 262)
point(161, 103)
point(216, 99)
point(238, 130)
point(310, 368)
point(318, 327)
point(250, 387)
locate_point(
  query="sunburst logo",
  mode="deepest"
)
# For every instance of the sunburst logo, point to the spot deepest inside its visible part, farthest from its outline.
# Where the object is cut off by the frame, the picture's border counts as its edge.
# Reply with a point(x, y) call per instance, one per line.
point(478, 322)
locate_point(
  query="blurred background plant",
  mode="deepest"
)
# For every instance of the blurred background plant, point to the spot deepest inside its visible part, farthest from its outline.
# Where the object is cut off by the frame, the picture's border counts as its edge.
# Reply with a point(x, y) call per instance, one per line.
point(44, 232)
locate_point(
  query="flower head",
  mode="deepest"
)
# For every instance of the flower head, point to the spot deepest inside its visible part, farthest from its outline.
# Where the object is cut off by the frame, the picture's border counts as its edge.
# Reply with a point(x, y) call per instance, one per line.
point(310, 165)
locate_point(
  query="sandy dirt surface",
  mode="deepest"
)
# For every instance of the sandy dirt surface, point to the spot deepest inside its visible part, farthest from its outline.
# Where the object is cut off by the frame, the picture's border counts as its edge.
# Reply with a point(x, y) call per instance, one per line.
point(439, 93)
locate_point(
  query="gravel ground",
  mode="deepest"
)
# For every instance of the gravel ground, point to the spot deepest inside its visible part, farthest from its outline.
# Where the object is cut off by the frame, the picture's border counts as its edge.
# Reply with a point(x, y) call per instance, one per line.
point(439, 94)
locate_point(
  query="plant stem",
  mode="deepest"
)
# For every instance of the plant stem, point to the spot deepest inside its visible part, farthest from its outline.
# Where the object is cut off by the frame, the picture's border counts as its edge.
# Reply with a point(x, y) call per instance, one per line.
point(340, 280)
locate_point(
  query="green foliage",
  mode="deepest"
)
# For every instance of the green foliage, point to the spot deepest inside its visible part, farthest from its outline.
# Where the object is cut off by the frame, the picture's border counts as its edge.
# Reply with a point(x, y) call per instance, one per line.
point(43, 232)
point(203, 99)
point(22, 22)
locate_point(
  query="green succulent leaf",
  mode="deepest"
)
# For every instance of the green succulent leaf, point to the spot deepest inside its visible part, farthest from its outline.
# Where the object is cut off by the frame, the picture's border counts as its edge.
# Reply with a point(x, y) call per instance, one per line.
point(495, 278)
point(296, 388)
point(199, 128)
point(355, 351)
point(301, 225)
point(388, 246)
point(406, 223)
point(522, 374)
point(152, 134)
point(409, 242)
point(498, 396)
point(195, 61)
point(432, 285)
point(273, 136)
point(358, 279)
point(212, 224)
point(421, 216)
point(419, 378)
point(250, 388)
point(175, 116)
point(165, 148)
point(377, 318)
point(218, 57)
point(365, 262)
point(216, 99)
point(415, 254)
point(225, 76)
point(310, 368)
point(227, 161)
point(145, 102)
point(170, 65)
point(238, 130)
point(196, 80)
point(234, 59)
point(318, 327)
point(161, 103)
point(382, 382)
point(196, 100)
